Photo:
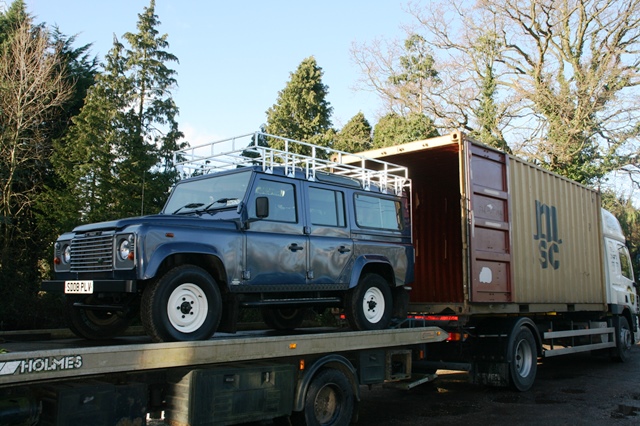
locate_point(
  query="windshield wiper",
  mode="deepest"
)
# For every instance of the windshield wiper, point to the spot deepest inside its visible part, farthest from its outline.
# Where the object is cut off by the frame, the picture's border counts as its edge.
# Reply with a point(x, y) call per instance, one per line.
point(189, 206)
point(221, 200)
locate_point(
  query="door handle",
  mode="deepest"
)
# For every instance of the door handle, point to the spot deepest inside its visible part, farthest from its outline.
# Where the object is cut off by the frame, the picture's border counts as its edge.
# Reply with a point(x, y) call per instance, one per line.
point(344, 249)
point(295, 247)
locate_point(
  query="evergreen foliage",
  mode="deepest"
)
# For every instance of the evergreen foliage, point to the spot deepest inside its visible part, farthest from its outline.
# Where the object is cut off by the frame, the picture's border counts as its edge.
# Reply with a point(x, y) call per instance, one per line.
point(355, 136)
point(393, 129)
point(117, 158)
point(302, 111)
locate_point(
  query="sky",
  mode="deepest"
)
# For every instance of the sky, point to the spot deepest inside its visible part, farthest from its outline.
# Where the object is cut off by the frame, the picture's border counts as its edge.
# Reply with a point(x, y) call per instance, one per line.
point(235, 56)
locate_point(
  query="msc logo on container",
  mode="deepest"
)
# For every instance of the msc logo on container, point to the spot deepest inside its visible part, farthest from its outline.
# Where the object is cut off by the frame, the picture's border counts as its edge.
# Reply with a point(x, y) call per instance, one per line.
point(547, 235)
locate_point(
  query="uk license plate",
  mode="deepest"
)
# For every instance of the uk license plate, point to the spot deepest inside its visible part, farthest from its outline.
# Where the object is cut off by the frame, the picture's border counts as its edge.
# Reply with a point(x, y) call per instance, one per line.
point(78, 287)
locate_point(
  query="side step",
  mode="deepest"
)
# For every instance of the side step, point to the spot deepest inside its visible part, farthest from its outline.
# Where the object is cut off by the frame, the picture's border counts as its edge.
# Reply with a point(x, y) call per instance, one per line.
point(328, 301)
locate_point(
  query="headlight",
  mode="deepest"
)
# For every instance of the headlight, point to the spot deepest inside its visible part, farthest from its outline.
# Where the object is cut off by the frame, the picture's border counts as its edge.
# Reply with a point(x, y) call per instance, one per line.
point(126, 247)
point(66, 254)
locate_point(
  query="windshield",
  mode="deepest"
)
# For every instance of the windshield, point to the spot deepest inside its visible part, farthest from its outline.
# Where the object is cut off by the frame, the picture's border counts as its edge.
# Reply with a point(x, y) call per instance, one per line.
point(213, 193)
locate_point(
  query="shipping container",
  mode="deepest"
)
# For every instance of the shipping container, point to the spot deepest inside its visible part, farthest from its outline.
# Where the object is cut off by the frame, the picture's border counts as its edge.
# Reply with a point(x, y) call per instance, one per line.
point(493, 233)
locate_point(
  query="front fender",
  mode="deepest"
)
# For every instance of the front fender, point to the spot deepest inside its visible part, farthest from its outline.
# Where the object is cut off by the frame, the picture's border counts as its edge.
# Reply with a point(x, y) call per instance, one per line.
point(158, 255)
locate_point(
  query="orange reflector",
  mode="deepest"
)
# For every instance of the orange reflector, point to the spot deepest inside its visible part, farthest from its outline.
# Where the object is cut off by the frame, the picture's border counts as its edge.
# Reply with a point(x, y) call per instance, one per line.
point(57, 260)
point(293, 345)
point(169, 235)
point(301, 364)
point(131, 255)
point(457, 337)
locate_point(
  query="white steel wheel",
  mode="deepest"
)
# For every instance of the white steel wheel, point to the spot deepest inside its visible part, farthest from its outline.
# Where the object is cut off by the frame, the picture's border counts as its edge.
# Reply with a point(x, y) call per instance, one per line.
point(369, 305)
point(373, 305)
point(184, 304)
point(187, 308)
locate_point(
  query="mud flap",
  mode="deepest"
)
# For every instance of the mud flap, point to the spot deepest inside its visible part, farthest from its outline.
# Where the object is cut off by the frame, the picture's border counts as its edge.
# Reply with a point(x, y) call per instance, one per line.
point(229, 317)
point(490, 373)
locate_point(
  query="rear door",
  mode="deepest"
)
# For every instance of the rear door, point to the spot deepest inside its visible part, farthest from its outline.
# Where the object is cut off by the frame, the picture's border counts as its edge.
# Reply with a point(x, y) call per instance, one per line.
point(489, 235)
point(330, 243)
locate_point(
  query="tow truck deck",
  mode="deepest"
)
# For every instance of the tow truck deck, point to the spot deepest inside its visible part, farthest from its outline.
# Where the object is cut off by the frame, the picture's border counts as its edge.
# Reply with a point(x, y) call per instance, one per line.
point(295, 358)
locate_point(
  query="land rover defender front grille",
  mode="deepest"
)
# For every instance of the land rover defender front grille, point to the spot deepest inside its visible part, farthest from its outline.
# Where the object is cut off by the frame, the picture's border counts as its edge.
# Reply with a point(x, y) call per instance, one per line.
point(92, 253)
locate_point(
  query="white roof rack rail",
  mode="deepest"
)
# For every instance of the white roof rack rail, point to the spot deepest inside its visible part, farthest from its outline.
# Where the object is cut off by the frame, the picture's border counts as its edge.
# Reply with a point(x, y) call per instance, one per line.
point(247, 150)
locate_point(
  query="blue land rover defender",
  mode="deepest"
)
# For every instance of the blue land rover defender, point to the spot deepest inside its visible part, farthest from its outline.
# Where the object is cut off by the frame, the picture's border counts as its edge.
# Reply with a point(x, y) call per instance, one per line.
point(257, 227)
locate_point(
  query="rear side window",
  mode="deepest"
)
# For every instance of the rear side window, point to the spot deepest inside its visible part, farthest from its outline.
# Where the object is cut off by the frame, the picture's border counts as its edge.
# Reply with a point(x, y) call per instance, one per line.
point(376, 212)
point(326, 207)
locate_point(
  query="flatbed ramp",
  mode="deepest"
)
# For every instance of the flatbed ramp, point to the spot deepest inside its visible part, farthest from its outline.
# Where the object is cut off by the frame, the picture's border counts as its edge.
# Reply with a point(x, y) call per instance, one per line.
point(38, 362)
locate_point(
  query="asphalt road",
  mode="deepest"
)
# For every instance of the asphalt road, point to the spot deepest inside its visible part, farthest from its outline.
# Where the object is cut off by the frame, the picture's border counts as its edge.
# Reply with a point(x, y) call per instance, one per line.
point(571, 390)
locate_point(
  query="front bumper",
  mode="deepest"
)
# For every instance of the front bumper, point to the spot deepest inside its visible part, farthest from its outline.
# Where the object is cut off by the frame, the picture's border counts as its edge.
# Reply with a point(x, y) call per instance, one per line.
point(99, 286)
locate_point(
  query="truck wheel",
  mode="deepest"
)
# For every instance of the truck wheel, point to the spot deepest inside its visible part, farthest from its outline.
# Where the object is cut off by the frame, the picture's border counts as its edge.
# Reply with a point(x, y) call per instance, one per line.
point(184, 304)
point(95, 324)
point(329, 400)
point(524, 360)
point(283, 319)
point(369, 305)
point(624, 340)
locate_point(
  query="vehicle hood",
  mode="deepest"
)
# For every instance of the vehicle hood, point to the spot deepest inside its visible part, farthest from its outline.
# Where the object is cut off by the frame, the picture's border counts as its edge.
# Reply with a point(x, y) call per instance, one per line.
point(160, 220)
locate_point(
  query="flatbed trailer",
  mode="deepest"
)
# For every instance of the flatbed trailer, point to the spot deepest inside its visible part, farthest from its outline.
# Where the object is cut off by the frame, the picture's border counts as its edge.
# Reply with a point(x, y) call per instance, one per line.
point(312, 375)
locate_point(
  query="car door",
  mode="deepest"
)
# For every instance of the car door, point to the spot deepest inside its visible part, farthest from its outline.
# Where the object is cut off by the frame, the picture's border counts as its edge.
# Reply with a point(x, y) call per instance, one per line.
point(330, 243)
point(276, 248)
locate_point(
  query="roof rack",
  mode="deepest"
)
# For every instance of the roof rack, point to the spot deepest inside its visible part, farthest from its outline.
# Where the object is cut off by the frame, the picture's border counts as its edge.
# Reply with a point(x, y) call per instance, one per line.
point(248, 150)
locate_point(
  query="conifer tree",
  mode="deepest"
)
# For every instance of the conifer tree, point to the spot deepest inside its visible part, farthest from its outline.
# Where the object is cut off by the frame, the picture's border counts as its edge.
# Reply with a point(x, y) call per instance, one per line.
point(302, 111)
point(118, 156)
point(355, 136)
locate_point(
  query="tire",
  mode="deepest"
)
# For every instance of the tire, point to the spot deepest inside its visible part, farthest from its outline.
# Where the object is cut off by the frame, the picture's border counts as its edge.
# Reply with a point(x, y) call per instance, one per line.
point(369, 305)
point(329, 400)
point(283, 319)
point(523, 357)
point(183, 305)
point(96, 324)
point(624, 340)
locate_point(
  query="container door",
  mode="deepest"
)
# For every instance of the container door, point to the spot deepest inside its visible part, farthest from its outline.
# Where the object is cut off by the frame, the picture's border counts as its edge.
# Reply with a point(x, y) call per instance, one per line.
point(489, 239)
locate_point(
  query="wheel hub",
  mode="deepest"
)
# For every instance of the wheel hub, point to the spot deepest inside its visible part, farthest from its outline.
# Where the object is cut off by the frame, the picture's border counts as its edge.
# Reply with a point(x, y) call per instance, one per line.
point(185, 307)
point(372, 305)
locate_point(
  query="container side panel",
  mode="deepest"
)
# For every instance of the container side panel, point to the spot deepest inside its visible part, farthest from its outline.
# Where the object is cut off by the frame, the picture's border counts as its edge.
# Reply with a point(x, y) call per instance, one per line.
point(556, 238)
point(490, 229)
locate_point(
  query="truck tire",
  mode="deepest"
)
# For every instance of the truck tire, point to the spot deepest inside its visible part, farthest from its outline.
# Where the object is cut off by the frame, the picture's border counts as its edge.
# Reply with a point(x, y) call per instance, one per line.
point(523, 358)
point(369, 305)
point(94, 324)
point(283, 319)
point(329, 400)
point(624, 340)
point(183, 305)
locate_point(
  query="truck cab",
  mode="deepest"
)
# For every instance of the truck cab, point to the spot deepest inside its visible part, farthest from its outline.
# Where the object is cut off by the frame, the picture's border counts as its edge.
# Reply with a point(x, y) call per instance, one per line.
point(622, 292)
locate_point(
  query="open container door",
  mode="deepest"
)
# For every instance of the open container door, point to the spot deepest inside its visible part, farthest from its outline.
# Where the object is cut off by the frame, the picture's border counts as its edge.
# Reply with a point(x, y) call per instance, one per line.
point(489, 225)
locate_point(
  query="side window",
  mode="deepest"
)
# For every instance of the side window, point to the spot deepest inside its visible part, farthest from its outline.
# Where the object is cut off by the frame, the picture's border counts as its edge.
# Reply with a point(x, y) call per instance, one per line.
point(326, 207)
point(625, 263)
point(282, 201)
point(376, 212)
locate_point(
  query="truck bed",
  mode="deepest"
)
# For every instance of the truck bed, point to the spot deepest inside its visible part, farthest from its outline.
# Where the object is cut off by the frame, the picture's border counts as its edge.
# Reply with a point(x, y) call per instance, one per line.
point(29, 362)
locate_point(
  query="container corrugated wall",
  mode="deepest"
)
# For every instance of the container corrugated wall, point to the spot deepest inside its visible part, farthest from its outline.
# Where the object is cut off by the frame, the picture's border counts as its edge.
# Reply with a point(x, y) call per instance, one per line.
point(556, 238)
